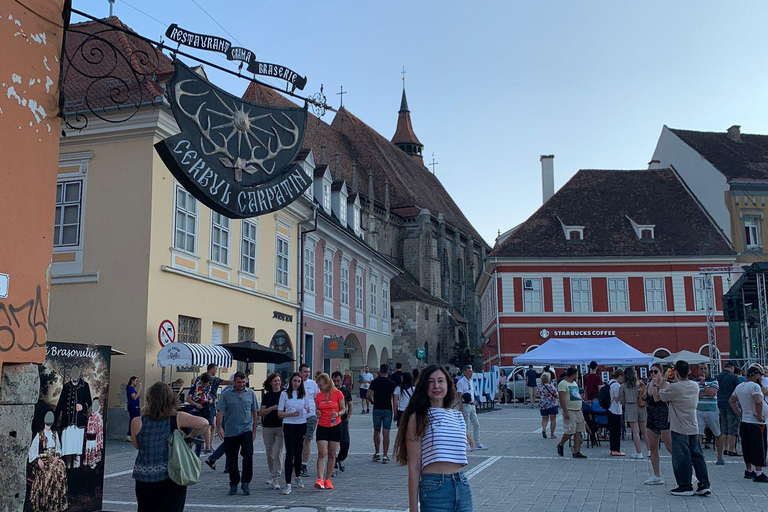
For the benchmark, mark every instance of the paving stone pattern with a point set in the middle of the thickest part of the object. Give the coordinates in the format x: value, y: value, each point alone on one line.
x: 520, y: 472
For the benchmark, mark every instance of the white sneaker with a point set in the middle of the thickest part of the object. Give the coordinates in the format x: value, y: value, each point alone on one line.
x: 636, y: 456
x: 275, y: 484
x: 299, y: 482
x: 654, y: 480
x: 270, y: 481
x: 287, y: 490
x: 481, y: 447
x: 648, y: 453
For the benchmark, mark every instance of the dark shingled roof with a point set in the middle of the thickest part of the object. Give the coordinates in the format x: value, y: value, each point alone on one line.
x: 411, y: 183
x: 404, y: 133
x: 404, y: 287
x: 601, y: 201
x: 159, y: 68
x: 746, y: 160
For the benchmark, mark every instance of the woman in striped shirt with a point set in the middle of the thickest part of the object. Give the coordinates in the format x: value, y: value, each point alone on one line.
x: 432, y: 442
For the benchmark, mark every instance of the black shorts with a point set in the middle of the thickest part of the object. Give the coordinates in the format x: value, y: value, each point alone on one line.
x: 753, y: 443
x: 332, y: 434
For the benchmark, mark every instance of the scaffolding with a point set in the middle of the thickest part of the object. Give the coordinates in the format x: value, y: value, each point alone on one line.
x: 715, y: 361
x: 748, y: 305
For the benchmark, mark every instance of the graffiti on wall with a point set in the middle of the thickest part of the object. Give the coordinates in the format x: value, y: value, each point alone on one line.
x: 23, y: 326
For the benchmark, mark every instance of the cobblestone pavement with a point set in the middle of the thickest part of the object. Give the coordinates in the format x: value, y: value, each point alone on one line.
x: 521, y: 472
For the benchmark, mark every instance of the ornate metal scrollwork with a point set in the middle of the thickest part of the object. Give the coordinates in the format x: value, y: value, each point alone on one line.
x: 317, y: 103
x: 104, y: 71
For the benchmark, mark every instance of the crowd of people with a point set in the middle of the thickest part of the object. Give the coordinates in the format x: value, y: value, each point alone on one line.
x: 431, y: 414
x: 681, y: 407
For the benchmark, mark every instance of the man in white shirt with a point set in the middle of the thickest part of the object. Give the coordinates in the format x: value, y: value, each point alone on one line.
x: 310, y: 389
x: 366, y: 377
x: 468, y: 405
x: 749, y: 395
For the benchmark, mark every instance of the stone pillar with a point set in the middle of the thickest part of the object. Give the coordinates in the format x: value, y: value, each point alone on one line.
x: 31, y: 37
x: 19, y: 391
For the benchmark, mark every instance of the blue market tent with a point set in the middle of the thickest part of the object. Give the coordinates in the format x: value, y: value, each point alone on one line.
x: 580, y: 351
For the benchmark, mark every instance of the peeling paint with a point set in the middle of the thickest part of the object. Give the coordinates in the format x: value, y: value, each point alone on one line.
x: 31, y: 82
x: 49, y: 128
x: 39, y: 38
x: 48, y: 83
x: 45, y: 63
x: 37, y: 110
x: 16, y: 78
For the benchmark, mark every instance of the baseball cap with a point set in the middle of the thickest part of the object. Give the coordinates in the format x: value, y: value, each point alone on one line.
x: 754, y: 370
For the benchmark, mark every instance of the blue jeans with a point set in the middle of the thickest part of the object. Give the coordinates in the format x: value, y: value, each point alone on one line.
x: 382, y: 418
x: 217, y: 453
x: 445, y: 493
x: 686, y: 450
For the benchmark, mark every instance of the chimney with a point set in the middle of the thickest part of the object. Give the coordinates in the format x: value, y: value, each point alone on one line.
x: 547, y: 177
x: 734, y: 133
x: 654, y: 164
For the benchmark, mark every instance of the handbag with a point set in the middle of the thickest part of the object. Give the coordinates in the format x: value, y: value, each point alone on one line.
x: 90, y: 436
x: 183, y: 465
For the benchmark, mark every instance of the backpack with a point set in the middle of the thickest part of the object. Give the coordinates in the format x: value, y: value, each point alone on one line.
x: 604, y: 396
x: 183, y: 465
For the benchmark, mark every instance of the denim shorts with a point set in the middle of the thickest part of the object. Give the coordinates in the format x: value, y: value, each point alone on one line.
x: 551, y: 411
x: 382, y: 416
x: 445, y: 493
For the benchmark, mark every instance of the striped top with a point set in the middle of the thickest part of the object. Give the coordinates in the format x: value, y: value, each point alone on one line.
x: 445, y: 439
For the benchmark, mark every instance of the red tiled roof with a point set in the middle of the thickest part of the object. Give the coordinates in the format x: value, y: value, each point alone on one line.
x: 411, y: 183
x: 404, y: 133
x: 603, y: 202
x: 85, y: 59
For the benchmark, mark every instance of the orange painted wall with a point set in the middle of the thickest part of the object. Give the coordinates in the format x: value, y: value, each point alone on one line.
x: 30, y: 38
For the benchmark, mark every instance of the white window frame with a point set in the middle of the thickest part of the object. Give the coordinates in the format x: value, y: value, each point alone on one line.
x: 581, y: 295
x: 327, y: 278
x: 618, y: 297
x: 699, y: 295
x: 356, y: 221
x: 384, y: 299
x: 359, y: 291
x: 752, y: 238
x: 655, y: 296
x: 533, y: 300
x: 63, y: 204
x: 309, y: 268
x: 344, y: 284
x: 282, y: 271
x: 249, y: 247
x: 373, y: 290
x: 221, y: 226
x: 188, y: 214
x: 326, y: 195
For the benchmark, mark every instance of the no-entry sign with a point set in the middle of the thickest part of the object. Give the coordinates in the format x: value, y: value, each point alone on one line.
x: 166, y: 333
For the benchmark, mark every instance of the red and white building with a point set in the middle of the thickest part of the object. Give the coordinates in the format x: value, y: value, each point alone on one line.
x: 612, y: 253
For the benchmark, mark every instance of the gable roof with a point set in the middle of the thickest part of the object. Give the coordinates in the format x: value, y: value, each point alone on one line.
x: 117, y: 72
x: 404, y: 287
x: 603, y: 201
x: 411, y: 183
x: 746, y: 160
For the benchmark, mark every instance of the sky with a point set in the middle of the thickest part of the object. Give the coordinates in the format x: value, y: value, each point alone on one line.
x: 492, y: 85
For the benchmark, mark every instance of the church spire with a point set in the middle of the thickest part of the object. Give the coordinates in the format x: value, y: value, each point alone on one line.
x: 404, y: 137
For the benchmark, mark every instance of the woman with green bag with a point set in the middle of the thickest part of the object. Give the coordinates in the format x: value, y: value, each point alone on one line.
x: 155, y: 491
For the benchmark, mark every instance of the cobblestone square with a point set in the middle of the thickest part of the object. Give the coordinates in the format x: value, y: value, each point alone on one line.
x: 521, y: 471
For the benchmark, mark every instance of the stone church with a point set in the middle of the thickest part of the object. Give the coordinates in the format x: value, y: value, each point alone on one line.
x: 409, y: 218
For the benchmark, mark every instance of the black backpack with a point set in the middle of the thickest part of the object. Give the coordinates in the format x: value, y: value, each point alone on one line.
x: 604, y: 396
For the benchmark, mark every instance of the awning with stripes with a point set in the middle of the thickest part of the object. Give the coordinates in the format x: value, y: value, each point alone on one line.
x: 193, y: 354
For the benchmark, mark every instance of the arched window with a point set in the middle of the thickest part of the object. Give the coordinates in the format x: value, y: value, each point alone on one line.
x: 531, y: 348
x: 661, y: 353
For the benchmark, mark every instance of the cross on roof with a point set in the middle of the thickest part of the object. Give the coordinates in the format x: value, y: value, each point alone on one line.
x: 433, y: 163
x: 341, y: 96
x: 403, y: 73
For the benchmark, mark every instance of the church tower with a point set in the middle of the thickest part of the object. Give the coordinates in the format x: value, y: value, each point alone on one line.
x: 404, y: 137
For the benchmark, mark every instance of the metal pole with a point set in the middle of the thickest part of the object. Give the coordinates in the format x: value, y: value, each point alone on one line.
x: 709, y: 300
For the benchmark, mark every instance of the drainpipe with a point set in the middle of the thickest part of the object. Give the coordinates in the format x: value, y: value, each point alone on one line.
x: 300, y: 259
x: 495, y: 277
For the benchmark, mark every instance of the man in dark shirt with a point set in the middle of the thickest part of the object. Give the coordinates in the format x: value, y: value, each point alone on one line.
x: 344, y: 445
x: 397, y: 375
x: 592, y: 382
x: 380, y: 395
x: 729, y: 422
x: 530, y: 382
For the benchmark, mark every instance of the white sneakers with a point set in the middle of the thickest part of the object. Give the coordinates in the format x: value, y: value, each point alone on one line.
x: 299, y: 482
x: 638, y: 456
x: 287, y: 490
x: 654, y: 480
x: 481, y: 447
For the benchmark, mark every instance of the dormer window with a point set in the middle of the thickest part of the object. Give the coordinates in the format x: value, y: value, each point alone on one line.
x: 572, y: 233
x: 356, y: 221
x: 327, y: 196
x: 643, y: 231
x: 343, y: 214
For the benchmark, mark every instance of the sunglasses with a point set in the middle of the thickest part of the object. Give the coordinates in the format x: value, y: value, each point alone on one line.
x: 654, y: 372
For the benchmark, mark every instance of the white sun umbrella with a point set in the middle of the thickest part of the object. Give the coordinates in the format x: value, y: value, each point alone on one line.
x: 686, y: 355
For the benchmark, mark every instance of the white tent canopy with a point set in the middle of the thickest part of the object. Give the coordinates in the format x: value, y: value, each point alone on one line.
x: 686, y: 355
x: 581, y: 351
x: 193, y: 354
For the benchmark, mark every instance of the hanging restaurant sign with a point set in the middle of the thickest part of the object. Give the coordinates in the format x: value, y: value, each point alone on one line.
x: 221, y: 45
x: 235, y: 157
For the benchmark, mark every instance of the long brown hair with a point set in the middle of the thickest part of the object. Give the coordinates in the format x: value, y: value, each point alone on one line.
x: 418, y: 409
x: 268, y: 383
x: 161, y: 402
x: 323, y: 377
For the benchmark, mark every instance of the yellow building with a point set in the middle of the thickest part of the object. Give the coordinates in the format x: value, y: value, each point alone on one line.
x: 132, y: 248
